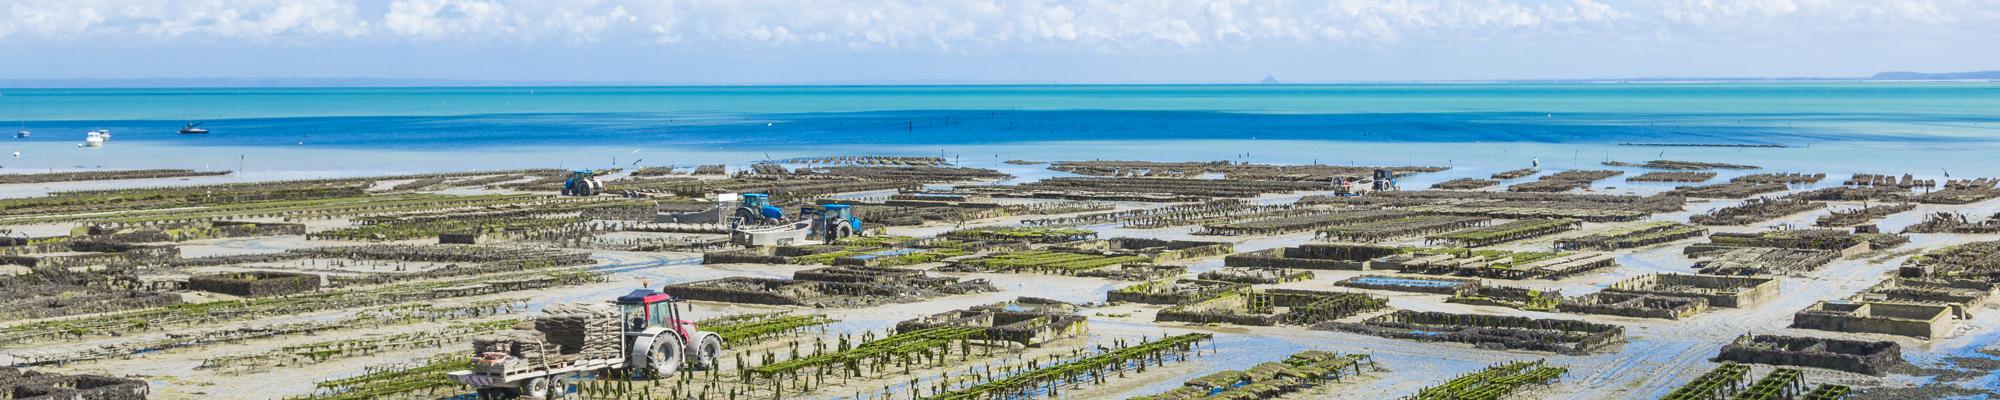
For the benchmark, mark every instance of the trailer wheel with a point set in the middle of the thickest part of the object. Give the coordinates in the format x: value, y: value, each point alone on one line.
x: 493, y: 394
x: 666, y: 357
x: 707, y: 351
x: 535, y: 388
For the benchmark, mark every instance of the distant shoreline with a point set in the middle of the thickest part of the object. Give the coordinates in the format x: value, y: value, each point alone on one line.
x: 1707, y: 145
x: 365, y: 83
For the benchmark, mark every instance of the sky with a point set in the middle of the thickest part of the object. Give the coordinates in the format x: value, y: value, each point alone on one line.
x: 1005, y: 41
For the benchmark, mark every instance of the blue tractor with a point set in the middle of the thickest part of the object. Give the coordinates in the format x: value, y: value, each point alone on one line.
x: 582, y: 182
x: 833, y: 221
x: 757, y: 209
x: 1383, y: 181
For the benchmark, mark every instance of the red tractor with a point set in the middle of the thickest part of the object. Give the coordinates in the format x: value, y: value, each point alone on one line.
x: 649, y: 315
x: 652, y: 341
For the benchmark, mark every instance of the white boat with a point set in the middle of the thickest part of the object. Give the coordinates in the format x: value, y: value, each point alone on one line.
x: 193, y: 128
x: 23, y: 133
x: 96, y: 138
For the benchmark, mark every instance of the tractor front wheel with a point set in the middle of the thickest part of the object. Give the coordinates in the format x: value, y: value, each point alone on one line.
x: 708, y: 351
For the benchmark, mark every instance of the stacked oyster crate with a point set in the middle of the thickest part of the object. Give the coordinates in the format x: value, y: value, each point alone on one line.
x: 589, y: 331
x: 523, y: 350
x: 563, y: 335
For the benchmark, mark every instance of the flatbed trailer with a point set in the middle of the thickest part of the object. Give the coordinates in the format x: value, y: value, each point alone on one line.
x: 653, y: 341
x: 520, y: 378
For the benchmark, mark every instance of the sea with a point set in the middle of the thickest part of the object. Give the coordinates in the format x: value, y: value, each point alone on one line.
x: 1927, y: 129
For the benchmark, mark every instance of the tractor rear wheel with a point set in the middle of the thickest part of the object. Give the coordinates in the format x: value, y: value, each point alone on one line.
x: 666, y: 356
x: 707, y: 351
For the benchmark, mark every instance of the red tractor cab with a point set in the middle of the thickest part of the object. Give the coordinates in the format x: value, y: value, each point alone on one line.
x: 659, y: 339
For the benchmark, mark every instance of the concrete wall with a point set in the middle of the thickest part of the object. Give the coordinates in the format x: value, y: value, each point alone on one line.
x: 1914, y: 320
x: 1873, y: 358
x: 1275, y: 258
x: 1720, y: 291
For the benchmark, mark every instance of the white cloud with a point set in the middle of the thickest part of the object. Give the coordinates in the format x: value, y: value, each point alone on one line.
x: 437, y: 19
x: 950, y: 26
x: 253, y: 20
x: 52, y: 19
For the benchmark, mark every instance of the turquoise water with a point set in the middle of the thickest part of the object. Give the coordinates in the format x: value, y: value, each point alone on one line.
x: 1830, y: 127
x: 1938, y: 101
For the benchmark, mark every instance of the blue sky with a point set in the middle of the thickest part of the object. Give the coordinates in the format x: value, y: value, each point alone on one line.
x: 1006, y: 41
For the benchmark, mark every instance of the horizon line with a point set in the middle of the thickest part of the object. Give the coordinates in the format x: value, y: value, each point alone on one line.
x: 360, y: 82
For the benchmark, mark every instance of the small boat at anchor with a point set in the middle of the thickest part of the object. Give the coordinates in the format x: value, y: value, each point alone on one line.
x: 193, y: 128
x: 96, y: 138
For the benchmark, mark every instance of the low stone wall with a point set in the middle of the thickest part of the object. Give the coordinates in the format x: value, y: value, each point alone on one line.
x: 255, y: 284
x: 1720, y: 291
x: 1634, y: 305
x: 754, y: 255
x: 1213, y: 317
x: 1230, y: 308
x: 1864, y: 357
x: 26, y: 303
x: 1028, y: 321
x: 34, y: 385
x: 458, y: 238
x: 1172, y: 292
x: 1272, y: 307
x: 193, y: 231
x: 1339, y: 252
x: 1489, y: 331
x: 91, y: 253
x: 1819, y: 239
x: 1262, y: 276
x: 744, y: 290
x: 1034, y: 329
x: 1275, y: 258
x: 1159, y: 250
x: 860, y: 274
x: 1206, y: 250
x: 1137, y: 272
x: 856, y: 292
x: 1902, y: 319
x: 1962, y: 295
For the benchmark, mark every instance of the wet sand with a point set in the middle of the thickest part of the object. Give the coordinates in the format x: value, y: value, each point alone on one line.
x: 1660, y: 355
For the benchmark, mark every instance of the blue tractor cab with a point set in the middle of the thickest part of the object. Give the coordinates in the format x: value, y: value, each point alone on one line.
x: 842, y: 212
x: 1385, y: 180
x: 582, y: 182
x: 757, y: 208
x: 833, y: 221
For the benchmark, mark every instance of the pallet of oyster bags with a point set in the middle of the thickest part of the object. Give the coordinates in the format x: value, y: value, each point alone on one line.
x: 586, y: 330
x: 526, y: 350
